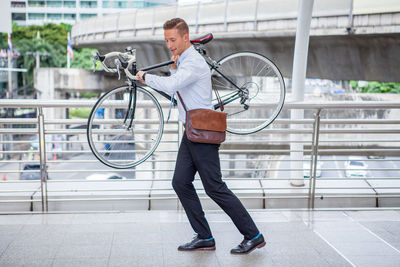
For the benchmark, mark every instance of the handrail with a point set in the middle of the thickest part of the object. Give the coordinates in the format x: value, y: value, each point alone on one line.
x: 32, y: 103
x: 255, y: 165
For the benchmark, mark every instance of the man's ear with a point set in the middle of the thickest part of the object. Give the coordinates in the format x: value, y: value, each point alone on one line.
x: 186, y: 37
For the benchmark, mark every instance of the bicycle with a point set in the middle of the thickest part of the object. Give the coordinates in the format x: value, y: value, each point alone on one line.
x: 126, y: 124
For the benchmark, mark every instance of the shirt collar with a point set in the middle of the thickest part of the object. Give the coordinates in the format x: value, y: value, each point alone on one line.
x: 185, y: 53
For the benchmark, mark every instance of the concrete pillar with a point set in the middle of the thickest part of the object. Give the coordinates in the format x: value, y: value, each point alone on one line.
x: 299, y: 76
x: 44, y: 82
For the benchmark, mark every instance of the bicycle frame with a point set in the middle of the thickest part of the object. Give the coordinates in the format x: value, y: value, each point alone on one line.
x: 214, y: 66
x: 211, y: 63
x: 238, y: 88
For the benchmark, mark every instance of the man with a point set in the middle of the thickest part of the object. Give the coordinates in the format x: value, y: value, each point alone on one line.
x: 190, y: 75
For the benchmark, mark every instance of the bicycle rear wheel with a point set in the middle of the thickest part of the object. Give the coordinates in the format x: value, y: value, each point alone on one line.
x: 112, y: 139
x: 261, y: 95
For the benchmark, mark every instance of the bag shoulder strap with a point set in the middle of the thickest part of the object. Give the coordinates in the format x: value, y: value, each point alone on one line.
x: 180, y: 98
x: 221, y: 106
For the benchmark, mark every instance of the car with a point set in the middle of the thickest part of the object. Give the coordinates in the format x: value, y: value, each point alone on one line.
x: 30, y: 175
x: 375, y: 157
x: 355, y: 167
x: 126, y: 143
x: 105, y: 176
x: 307, y: 166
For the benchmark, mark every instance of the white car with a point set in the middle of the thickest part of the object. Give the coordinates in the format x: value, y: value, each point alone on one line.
x: 355, y: 167
x: 105, y: 176
x: 306, y: 167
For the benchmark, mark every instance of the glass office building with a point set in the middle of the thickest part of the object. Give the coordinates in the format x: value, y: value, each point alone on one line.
x: 38, y: 12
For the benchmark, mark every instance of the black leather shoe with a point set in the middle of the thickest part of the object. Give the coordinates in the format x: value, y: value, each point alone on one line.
x: 247, y: 246
x: 198, y: 244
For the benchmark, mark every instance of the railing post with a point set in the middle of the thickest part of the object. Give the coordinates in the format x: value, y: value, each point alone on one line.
x: 314, y: 160
x: 117, y: 29
x: 153, y: 30
x: 135, y: 29
x: 350, y: 24
x: 255, y: 15
x: 43, y: 169
x: 197, y: 17
x: 104, y: 30
x: 226, y: 16
x: 176, y: 10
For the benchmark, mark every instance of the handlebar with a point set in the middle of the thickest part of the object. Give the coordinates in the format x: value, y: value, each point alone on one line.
x: 114, y: 61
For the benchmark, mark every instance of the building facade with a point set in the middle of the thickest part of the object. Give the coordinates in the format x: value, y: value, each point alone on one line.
x: 39, y: 12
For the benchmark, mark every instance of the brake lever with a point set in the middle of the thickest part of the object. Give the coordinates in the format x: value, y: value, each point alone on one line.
x: 123, y: 61
x: 118, y: 64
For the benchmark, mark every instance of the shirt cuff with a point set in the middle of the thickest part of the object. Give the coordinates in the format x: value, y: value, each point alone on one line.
x: 173, y: 71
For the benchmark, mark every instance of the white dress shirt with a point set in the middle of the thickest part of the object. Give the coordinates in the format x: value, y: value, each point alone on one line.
x: 192, y: 79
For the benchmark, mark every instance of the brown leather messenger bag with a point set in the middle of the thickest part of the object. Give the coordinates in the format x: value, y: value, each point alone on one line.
x: 205, y: 125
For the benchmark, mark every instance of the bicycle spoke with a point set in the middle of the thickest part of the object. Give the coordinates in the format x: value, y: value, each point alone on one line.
x: 111, y: 141
x: 258, y: 73
x: 230, y: 115
x: 260, y: 82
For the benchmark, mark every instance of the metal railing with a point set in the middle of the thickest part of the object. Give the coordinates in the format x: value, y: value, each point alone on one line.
x: 256, y: 167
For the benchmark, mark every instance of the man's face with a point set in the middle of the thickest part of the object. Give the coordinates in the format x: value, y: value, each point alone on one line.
x: 176, y: 43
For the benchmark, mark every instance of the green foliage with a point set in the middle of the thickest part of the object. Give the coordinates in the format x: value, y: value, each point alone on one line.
x: 79, y: 113
x: 376, y: 87
x: 354, y: 84
x: 53, y: 40
x: 83, y: 59
x: 56, y: 56
x: 88, y: 95
x: 52, y: 33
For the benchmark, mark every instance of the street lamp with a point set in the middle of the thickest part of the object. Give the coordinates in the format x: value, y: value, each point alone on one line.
x: 38, y: 55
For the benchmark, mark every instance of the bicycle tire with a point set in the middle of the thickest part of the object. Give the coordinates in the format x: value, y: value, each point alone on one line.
x: 109, y: 137
x: 265, y: 87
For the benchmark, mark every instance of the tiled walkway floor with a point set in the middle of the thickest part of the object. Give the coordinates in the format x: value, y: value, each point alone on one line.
x: 294, y: 238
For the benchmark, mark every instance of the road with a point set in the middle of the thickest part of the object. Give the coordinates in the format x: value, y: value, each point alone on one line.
x: 332, y: 167
x: 65, y: 170
x: 72, y: 171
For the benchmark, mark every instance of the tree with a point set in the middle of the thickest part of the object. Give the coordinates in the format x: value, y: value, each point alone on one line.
x: 376, y: 87
x: 53, y: 40
x: 52, y: 33
x: 56, y: 56
x: 83, y: 59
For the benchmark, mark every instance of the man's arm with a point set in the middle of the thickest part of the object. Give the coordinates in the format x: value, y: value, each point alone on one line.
x: 184, y: 76
x: 141, y: 74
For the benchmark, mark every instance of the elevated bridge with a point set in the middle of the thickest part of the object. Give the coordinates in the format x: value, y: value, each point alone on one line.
x: 350, y: 40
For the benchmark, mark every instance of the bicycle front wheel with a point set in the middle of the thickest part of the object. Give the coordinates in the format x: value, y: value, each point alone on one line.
x: 253, y: 88
x: 121, y: 136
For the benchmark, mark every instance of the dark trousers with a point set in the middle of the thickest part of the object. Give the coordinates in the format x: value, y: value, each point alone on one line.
x: 204, y: 158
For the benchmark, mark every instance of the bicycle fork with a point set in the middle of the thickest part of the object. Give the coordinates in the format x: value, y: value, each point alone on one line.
x: 130, y: 115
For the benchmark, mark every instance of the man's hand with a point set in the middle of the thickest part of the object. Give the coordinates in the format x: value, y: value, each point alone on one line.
x: 175, y: 59
x: 139, y: 76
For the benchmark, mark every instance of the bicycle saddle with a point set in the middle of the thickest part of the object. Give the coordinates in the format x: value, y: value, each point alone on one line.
x: 203, y: 39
